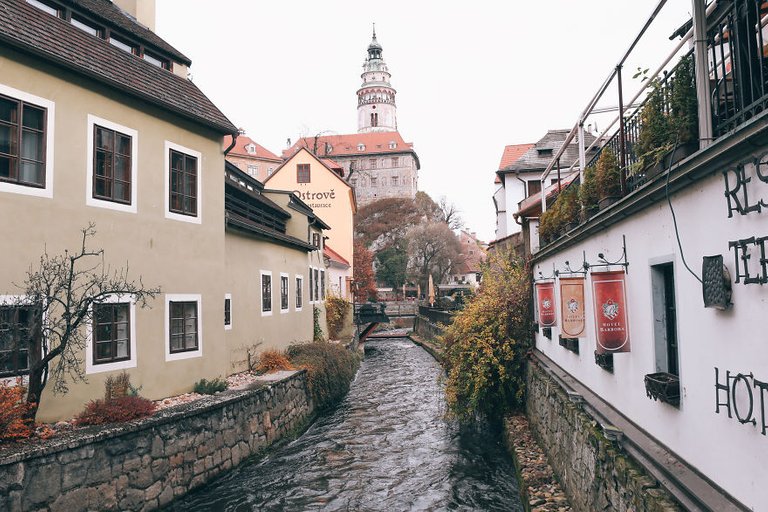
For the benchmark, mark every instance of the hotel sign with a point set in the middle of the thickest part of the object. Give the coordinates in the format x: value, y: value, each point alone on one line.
x: 610, y: 305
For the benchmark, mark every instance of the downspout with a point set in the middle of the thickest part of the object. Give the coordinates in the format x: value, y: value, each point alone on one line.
x: 234, y: 141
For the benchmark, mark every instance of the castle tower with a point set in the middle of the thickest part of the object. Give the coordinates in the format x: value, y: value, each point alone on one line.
x: 376, y: 109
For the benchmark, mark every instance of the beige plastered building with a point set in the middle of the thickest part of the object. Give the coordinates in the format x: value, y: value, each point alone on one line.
x: 165, y: 211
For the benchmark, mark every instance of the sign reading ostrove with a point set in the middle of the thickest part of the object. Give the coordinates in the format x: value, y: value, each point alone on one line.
x: 311, y: 198
x: 545, y: 293
x: 610, y: 305
x: 572, y: 306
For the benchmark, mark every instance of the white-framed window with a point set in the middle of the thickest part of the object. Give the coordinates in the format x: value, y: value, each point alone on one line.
x: 299, y: 304
x: 284, y: 289
x: 253, y: 170
x: 183, y: 183
x: 20, y: 324
x: 111, y: 335
x: 266, y: 292
x: 316, y: 279
x: 322, y: 285
x: 27, y: 124
x: 183, y: 326
x: 111, y: 165
x: 227, y: 311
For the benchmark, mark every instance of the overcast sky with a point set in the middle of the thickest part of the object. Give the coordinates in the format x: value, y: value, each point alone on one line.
x: 471, y: 77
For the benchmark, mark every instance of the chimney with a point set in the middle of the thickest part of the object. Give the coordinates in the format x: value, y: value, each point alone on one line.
x: 141, y: 10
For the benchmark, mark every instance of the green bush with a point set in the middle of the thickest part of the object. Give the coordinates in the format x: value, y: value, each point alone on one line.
x: 209, y: 387
x: 330, y: 370
x: 588, y: 193
x: 336, y: 310
x: 608, y: 175
x: 683, y: 104
x: 569, y: 204
x: 488, y: 341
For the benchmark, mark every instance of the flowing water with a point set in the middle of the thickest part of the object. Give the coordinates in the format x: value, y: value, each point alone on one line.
x: 388, y: 446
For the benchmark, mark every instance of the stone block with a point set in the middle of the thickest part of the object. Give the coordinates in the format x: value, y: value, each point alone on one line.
x: 42, y: 483
x: 160, y: 468
x: 158, y: 447
x: 153, y: 491
x: 140, y: 479
x: 11, y: 478
x: 132, y: 500
x: 166, y: 496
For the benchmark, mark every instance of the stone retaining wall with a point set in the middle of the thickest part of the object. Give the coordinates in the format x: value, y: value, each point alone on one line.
x: 594, y: 472
x: 426, y: 329
x: 145, y: 464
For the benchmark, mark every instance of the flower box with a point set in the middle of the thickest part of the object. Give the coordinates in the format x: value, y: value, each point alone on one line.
x: 547, y: 332
x: 664, y: 387
x: 604, y: 361
x: 571, y: 344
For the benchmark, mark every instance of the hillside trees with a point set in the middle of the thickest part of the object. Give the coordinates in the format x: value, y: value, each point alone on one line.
x: 432, y: 249
x: 365, y: 280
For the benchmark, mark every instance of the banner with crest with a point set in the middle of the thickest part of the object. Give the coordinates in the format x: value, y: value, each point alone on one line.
x: 545, y: 300
x: 572, y: 306
x: 611, y: 321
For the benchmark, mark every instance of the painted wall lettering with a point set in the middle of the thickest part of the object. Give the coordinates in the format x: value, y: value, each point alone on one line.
x: 743, y: 397
x: 742, y: 254
x: 736, y: 192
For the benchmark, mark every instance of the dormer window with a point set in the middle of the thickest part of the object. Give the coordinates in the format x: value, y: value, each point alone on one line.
x: 157, y: 61
x: 544, y: 151
x: 123, y: 45
x: 328, y: 148
x: 86, y: 26
x: 361, y: 147
x: 392, y: 144
x: 251, y: 149
x: 44, y: 6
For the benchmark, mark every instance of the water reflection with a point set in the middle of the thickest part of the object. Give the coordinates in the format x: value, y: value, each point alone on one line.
x: 387, y: 447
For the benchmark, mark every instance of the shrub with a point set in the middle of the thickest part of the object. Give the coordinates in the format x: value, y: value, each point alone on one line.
x: 683, y: 104
x: 15, y: 422
x: 569, y: 204
x: 336, y: 310
x: 330, y: 370
x: 608, y: 175
x: 549, y: 222
x: 488, y: 341
x: 117, y: 410
x: 119, y: 385
x: 209, y: 387
x: 317, y: 334
x: 655, y: 131
x: 273, y: 361
x: 588, y: 193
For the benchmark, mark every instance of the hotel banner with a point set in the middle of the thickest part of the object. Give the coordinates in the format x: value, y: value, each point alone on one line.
x: 611, y: 322
x: 545, y: 300
x: 572, y: 306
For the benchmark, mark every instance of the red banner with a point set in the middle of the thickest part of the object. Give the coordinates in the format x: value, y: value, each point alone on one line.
x: 545, y: 293
x: 572, y: 306
x: 611, y: 322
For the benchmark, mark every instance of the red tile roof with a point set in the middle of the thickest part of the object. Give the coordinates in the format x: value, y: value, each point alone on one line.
x: 334, y: 256
x: 510, y: 156
x: 332, y: 164
x: 346, y: 145
x: 244, y: 140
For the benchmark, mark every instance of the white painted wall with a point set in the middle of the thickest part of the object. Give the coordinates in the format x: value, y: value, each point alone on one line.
x: 733, y: 455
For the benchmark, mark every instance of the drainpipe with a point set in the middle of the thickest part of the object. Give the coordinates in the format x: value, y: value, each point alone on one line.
x: 234, y: 141
x: 702, y: 73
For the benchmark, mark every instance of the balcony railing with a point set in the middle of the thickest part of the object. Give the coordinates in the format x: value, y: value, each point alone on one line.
x: 664, y: 127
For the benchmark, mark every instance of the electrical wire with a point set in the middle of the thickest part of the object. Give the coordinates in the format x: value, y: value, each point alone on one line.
x: 674, y: 217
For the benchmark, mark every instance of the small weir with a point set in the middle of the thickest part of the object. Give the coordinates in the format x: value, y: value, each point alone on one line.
x: 388, y: 446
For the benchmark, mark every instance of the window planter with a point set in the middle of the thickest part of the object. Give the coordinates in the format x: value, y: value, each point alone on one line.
x: 604, y: 361
x: 664, y: 387
x: 571, y: 344
x: 547, y: 332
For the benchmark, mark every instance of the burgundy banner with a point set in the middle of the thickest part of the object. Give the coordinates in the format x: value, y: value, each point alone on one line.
x: 572, y: 306
x: 545, y: 293
x: 611, y: 322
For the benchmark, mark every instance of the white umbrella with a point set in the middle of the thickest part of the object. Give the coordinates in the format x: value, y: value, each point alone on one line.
x: 431, y: 291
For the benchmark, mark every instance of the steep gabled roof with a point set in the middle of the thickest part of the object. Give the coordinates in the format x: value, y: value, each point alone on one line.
x: 540, y: 154
x: 354, y: 144
x: 242, y: 142
x: 335, y: 257
x: 33, y: 31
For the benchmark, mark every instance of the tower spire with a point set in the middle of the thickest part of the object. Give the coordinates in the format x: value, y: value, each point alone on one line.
x: 376, y: 110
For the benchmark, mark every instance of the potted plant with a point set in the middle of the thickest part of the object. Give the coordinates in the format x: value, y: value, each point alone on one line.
x: 608, y: 178
x: 550, y: 223
x: 684, y: 111
x: 569, y: 206
x: 588, y: 193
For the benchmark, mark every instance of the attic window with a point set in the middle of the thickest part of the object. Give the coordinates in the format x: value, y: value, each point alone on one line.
x: 544, y: 151
x: 157, y: 61
x: 125, y: 46
x: 392, y: 144
x: 361, y: 147
x: 45, y: 6
x: 86, y: 26
x: 251, y: 149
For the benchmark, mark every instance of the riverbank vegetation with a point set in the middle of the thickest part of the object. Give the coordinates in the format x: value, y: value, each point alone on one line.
x: 488, y: 341
x: 330, y: 370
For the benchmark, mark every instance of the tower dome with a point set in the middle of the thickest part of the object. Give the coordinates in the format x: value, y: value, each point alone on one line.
x: 376, y: 109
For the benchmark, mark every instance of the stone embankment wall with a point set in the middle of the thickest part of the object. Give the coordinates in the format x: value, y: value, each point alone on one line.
x: 145, y: 464
x: 426, y: 329
x: 595, y: 473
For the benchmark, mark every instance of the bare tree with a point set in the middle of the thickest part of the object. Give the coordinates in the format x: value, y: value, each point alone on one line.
x: 60, y: 294
x: 451, y: 214
x: 432, y: 249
